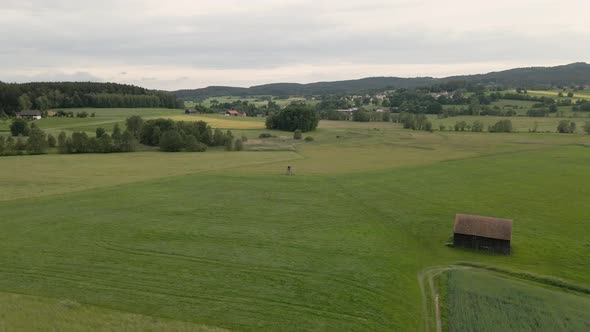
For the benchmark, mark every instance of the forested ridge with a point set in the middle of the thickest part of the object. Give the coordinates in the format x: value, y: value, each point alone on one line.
x: 532, y: 77
x: 45, y: 95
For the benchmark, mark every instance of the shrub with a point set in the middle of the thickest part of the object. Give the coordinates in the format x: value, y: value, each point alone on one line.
x: 100, y: 132
x: 265, y: 135
x: 171, y: 141
x: 51, y: 142
x: 566, y: 127
x: 103, y: 145
x: 587, y: 127
x: 244, y: 139
x: 460, y: 126
x: 2, y: 145
x: 441, y: 127
x: 37, y: 143
x: 477, y: 126
x: 309, y: 139
x: 229, y: 144
x: 192, y: 145
x: 239, y: 145
x: 297, y: 134
x: 19, y: 127
x: 502, y: 126
x: 61, y: 142
x: 128, y: 142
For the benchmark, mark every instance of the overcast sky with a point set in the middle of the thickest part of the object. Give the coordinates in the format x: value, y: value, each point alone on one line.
x: 173, y: 44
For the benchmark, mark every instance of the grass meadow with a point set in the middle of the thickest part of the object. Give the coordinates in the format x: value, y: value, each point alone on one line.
x: 224, y: 240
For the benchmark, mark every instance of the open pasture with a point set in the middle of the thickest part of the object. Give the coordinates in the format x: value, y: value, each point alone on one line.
x: 226, y: 240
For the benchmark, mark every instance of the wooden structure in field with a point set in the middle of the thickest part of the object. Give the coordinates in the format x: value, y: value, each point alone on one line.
x: 483, y: 233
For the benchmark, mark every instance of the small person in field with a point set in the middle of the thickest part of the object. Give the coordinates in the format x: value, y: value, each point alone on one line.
x: 289, y: 170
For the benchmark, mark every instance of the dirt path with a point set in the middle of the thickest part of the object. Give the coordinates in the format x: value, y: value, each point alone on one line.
x: 430, y: 295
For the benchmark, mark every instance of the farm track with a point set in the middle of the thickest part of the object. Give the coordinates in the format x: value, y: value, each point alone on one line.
x: 429, y: 293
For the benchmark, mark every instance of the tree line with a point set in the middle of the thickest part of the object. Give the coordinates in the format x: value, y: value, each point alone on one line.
x: 43, y: 96
x: 166, y: 134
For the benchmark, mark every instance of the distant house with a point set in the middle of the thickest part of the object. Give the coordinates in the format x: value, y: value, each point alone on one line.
x: 235, y: 113
x: 483, y: 233
x: 191, y: 111
x: 380, y: 110
x: 30, y: 115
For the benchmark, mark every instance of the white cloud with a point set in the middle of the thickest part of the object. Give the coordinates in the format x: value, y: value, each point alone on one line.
x: 186, y: 44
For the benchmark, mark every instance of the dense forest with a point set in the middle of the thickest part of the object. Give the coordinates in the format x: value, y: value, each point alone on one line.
x: 43, y: 96
x: 534, y: 77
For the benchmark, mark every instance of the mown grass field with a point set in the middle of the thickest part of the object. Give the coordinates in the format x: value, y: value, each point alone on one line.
x: 226, y: 240
x: 483, y: 301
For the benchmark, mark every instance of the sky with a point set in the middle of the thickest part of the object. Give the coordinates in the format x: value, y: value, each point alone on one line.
x: 177, y: 44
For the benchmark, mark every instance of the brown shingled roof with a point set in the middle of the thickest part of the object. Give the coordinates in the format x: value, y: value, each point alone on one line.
x: 494, y: 228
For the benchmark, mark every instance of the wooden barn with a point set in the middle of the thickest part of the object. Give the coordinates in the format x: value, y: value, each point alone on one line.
x: 483, y: 233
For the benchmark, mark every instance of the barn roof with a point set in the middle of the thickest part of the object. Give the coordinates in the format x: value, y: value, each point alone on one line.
x: 494, y: 228
x: 30, y: 113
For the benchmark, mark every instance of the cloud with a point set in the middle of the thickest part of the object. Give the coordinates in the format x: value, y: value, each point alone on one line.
x: 237, y: 42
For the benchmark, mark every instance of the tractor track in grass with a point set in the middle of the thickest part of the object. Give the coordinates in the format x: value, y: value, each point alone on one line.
x: 142, y: 285
x: 244, y: 267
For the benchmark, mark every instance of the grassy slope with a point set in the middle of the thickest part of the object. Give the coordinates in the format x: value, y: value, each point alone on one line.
x: 17, y: 311
x: 481, y: 301
x: 336, y: 247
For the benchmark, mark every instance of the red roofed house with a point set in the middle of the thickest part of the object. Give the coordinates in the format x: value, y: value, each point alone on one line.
x: 235, y: 113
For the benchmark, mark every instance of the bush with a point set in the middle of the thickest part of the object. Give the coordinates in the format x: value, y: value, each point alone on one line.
x: 100, y: 132
x: 441, y: 127
x: 265, y: 135
x: 566, y: 127
x: 502, y: 126
x: 477, y: 126
x: 293, y: 117
x: 51, y: 142
x: 239, y: 145
x: 244, y: 139
x: 61, y: 142
x: 229, y: 144
x: 171, y: 141
x: 128, y: 142
x: 37, y: 143
x: 587, y: 127
x: 192, y: 145
x: 297, y: 134
x: 309, y: 139
x: 104, y: 144
x: 460, y: 126
x: 19, y: 127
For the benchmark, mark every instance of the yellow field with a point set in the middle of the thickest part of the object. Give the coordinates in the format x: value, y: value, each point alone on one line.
x: 554, y: 93
x: 221, y: 122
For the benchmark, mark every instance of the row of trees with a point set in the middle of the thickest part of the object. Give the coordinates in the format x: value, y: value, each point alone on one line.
x: 43, y: 96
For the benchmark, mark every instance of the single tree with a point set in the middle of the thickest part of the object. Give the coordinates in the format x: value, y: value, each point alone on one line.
x: 105, y: 144
x: 134, y: 125
x: 61, y: 142
x: 117, y: 134
x: 99, y: 132
x: 171, y: 141
x: 19, y: 127
x: 239, y: 145
x: 37, y: 143
x: 51, y: 142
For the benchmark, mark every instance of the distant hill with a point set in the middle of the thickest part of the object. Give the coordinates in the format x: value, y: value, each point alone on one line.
x: 576, y: 73
x: 533, y: 77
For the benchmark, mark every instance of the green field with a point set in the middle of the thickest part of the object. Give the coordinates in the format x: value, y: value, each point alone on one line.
x: 484, y: 301
x: 226, y: 240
